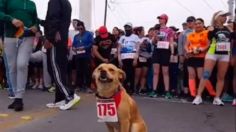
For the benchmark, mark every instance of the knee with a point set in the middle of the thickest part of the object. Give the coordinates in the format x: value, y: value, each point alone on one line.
x: 22, y: 65
x: 206, y: 74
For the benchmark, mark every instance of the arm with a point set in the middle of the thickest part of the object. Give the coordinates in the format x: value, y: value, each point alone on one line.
x: 4, y: 17
x: 7, y: 18
x: 90, y: 43
x: 180, y: 44
x: 97, y: 54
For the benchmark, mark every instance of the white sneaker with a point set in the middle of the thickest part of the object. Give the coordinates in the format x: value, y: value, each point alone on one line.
x: 217, y: 101
x: 234, y: 102
x: 40, y: 86
x: 197, y: 100
x: 71, y: 103
x: 35, y: 86
x: 56, y: 105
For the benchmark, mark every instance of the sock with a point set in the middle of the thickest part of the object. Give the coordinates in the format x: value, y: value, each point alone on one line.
x: 210, y: 88
x: 192, y: 87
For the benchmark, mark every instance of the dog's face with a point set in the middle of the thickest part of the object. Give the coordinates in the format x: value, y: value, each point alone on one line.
x: 108, y: 75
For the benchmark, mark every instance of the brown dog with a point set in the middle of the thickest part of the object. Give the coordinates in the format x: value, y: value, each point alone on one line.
x: 108, y: 82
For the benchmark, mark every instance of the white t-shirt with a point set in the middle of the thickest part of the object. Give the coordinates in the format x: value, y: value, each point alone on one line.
x: 128, y: 46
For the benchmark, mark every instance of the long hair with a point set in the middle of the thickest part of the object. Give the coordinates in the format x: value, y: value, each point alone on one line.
x: 214, y: 19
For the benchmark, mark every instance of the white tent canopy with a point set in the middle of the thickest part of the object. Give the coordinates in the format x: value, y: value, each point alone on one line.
x: 142, y: 12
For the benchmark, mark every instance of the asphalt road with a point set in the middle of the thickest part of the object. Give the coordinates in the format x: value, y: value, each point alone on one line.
x: 160, y: 115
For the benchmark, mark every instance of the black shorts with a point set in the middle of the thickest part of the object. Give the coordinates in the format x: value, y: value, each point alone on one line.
x: 143, y: 64
x: 195, y: 62
x: 72, y: 63
x: 161, y: 57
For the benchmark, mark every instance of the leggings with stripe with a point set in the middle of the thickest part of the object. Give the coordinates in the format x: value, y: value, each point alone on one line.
x: 57, y: 67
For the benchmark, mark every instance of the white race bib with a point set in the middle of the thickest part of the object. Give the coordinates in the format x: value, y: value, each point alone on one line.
x: 163, y: 44
x: 223, y: 46
x: 80, y: 51
x: 113, y: 51
x: 142, y: 59
x: 106, y: 110
x: 127, y: 55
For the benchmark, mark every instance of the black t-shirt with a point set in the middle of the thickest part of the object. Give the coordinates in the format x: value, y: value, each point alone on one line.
x: 221, y: 35
x: 105, y: 45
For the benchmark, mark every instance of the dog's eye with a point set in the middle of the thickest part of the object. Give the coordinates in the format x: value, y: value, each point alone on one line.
x: 111, y: 70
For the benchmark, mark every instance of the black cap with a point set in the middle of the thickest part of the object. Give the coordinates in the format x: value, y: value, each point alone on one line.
x: 191, y: 19
x: 157, y: 27
x: 174, y: 28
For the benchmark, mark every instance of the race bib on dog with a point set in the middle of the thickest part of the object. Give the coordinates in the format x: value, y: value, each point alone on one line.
x: 163, y: 45
x: 106, y: 110
x: 224, y: 46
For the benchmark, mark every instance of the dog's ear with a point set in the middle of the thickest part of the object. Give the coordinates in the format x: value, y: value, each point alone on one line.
x: 121, y: 75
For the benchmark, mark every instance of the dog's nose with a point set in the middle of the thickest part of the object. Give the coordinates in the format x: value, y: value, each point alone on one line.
x: 103, y: 74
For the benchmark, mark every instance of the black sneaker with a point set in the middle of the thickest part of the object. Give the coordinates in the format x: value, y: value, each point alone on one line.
x: 19, y: 106
x: 12, y: 106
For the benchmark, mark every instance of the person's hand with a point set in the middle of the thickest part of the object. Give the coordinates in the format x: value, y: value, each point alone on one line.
x: 17, y: 23
x: 105, y: 60
x: 135, y: 62
x: 47, y: 44
x: 57, y: 37
x: 34, y: 29
x: 120, y: 63
x: 210, y: 28
x: 181, y: 59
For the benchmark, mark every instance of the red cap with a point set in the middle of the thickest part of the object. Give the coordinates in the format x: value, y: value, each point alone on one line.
x: 103, y: 32
x: 163, y: 16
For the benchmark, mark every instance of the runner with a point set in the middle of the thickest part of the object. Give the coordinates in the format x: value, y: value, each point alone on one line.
x: 161, y: 55
x: 218, y: 53
x: 196, y: 47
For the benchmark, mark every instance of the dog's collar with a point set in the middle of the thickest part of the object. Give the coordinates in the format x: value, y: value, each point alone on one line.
x: 116, y: 96
x: 116, y: 93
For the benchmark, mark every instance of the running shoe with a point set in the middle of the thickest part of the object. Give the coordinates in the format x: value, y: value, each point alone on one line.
x: 197, y: 100
x: 71, y: 103
x: 153, y: 94
x: 168, y: 95
x: 218, y: 101
x: 234, y: 102
x: 56, y: 105
x: 227, y: 98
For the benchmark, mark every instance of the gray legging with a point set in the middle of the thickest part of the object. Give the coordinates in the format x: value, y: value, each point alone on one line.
x: 40, y: 56
x: 18, y: 53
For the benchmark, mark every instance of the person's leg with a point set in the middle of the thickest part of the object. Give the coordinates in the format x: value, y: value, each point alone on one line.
x: 166, y: 78
x: 156, y: 71
x: 221, y: 72
x: 87, y: 72
x: 192, y: 81
x: 208, y: 67
x: 10, y: 54
x: 128, y: 67
x: 46, y: 77
x: 79, y: 73
x: 59, y: 67
x: 209, y: 86
x: 185, y: 78
x: 143, y: 78
x: 24, y: 52
x: 137, y: 78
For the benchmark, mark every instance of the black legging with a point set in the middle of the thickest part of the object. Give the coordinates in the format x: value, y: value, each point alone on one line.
x: 130, y: 75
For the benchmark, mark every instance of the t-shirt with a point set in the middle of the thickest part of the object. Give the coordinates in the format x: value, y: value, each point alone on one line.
x: 164, y: 36
x: 105, y: 45
x: 85, y: 40
x: 198, y: 40
x: 145, y: 47
x: 128, y: 46
x: 220, y: 41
